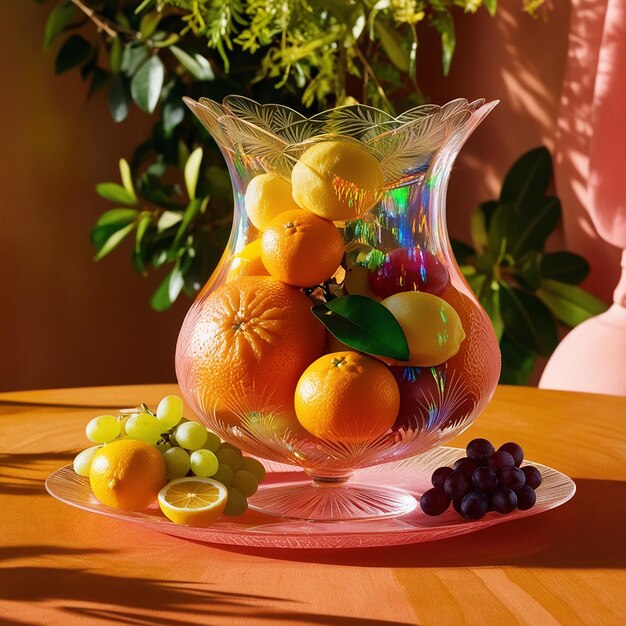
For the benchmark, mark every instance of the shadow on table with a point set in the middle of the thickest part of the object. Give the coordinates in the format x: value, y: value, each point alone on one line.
x: 20, y: 474
x: 140, y: 601
x: 586, y: 532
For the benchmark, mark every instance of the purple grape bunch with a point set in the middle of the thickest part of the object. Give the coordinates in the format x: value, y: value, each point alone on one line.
x: 484, y: 480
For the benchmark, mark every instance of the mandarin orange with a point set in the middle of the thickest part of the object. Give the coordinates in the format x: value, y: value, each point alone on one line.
x: 247, y: 262
x: 301, y: 249
x: 250, y: 342
x: 347, y: 397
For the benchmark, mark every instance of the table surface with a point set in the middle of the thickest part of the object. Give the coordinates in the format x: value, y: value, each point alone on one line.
x: 61, y: 565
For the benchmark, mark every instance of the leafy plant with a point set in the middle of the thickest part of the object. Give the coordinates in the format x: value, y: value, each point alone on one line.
x: 307, y: 54
x: 525, y: 290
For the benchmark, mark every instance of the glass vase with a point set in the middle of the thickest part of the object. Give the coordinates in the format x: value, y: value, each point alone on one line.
x: 277, y: 321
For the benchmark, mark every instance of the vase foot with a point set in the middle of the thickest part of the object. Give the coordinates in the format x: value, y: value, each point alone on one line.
x: 307, y: 500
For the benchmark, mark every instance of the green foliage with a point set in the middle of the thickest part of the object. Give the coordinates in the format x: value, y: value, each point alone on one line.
x: 525, y: 290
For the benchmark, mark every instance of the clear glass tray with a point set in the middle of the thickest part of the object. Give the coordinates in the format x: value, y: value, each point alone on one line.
x: 260, y: 530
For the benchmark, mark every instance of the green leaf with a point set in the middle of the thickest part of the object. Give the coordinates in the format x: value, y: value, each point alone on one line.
x: 195, y: 64
x: 444, y: 24
x: 75, y: 51
x: 490, y: 301
x: 528, y: 270
x: 168, y: 219
x: 364, y: 324
x: 106, y: 237
x: 119, y: 102
x: 571, y: 305
x: 391, y: 45
x: 528, y: 179
x: 149, y: 23
x: 142, y: 227
x: 196, y: 206
x: 115, y: 193
x: 535, y: 227
x: 165, y: 294
x: 117, y: 217
x: 115, y: 55
x: 59, y: 18
x: 173, y: 115
x: 127, y: 178
x: 491, y: 6
x: 517, y: 363
x: 527, y: 321
x: 133, y: 58
x: 478, y: 230
x: 192, y: 171
x: 564, y: 266
x: 146, y: 85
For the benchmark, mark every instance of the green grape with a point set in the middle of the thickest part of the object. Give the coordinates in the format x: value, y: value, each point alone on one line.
x: 177, y: 462
x: 102, y: 429
x: 191, y: 435
x: 245, y: 482
x: 224, y: 475
x: 228, y: 456
x: 82, y: 462
x: 203, y: 463
x: 253, y: 466
x: 143, y: 427
x: 236, y: 503
x: 229, y: 446
x: 164, y: 447
x: 212, y: 442
x: 169, y: 412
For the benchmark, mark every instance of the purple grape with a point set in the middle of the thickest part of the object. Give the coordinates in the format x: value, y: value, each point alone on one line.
x: 503, y: 500
x: 439, y: 476
x: 467, y: 466
x: 500, y: 460
x: 485, y: 479
x: 456, y: 503
x: 533, y: 476
x: 474, y: 505
x: 526, y: 498
x: 515, y: 450
x: 480, y: 450
x: 457, y: 484
x: 434, y: 501
x: 512, y: 477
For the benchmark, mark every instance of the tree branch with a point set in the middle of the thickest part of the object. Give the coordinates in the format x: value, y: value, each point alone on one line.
x: 100, y: 23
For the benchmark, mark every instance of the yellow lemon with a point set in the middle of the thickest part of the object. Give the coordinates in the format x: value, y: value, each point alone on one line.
x: 247, y: 262
x: 337, y: 180
x: 127, y: 474
x: 193, y: 501
x: 432, y: 327
x: 267, y: 196
x: 357, y: 281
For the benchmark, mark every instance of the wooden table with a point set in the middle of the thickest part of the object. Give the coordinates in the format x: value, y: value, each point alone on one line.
x: 60, y: 565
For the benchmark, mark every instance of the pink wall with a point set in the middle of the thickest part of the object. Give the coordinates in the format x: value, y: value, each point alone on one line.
x: 67, y: 321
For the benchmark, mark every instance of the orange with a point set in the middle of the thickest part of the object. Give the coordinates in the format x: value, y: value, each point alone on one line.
x: 250, y: 341
x: 247, y: 262
x: 127, y: 474
x: 267, y: 195
x: 301, y: 249
x: 347, y: 397
x: 337, y: 180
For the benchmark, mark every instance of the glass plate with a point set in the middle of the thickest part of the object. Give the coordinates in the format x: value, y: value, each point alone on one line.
x: 260, y: 530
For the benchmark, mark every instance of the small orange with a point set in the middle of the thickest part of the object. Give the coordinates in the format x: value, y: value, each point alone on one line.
x: 250, y: 341
x: 127, y: 474
x: 347, y: 397
x: 247, y: 262
x: 301, y: 249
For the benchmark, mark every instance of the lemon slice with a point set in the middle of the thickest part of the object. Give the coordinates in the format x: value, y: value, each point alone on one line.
x: 193, y: 501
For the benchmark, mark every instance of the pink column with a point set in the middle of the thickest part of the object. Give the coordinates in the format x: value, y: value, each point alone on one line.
x: 593, y: 356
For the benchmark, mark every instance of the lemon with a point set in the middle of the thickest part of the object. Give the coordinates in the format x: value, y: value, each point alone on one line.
x: 193, y: 501
x: 432, y: 327
x: 337, y: 180
x: 127, y: 474
x: 267, y: 196
x: 247, y: 262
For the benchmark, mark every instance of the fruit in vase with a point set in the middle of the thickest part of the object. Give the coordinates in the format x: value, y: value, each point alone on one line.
x: 432, y: 327
x: 337, y: 180
x: 409, y: 269
x: 267, y: 195
x: 127, y: 474
x: 301, y: 249
x: 251, y: 341
x: 357, y: 281
x: 247, y: 262
x: 347, y: 397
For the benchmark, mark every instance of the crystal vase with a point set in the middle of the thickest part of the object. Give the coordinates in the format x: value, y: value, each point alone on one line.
x: 337, y: 332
